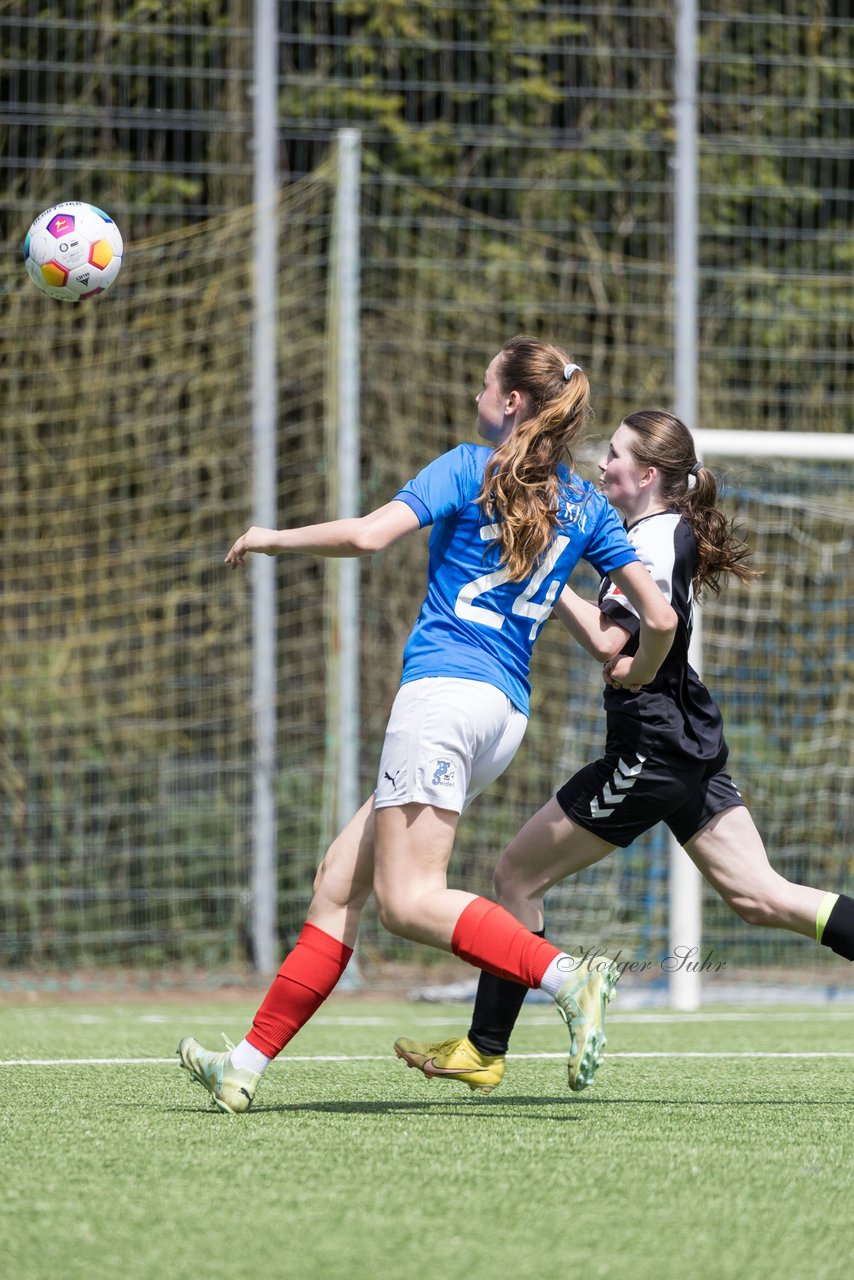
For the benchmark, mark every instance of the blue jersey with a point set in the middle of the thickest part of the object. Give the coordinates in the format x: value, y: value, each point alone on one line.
x: 474, y: 623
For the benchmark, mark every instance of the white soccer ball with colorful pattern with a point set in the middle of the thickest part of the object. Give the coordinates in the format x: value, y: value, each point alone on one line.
x: 73, y: 251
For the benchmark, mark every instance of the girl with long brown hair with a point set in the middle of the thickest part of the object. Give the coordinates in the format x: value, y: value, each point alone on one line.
x: 665, y: 755
x: 510, y: 520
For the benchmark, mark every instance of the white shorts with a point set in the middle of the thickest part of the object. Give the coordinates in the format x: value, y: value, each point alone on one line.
x: 446, y: 740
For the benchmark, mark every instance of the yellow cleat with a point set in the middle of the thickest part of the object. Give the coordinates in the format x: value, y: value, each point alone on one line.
x: 581, y: 1002
x: 454, y: 1060
x: 231, y: 1088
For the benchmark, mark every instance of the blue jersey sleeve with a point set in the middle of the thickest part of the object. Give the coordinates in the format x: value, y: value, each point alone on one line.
x: 444, y: 485
x: 609, y: 547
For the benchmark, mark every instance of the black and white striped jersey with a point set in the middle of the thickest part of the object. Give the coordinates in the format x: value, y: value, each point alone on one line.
x: 675, y: 715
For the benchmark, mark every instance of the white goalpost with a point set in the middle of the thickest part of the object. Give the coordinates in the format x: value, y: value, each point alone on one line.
x: 685, y: 915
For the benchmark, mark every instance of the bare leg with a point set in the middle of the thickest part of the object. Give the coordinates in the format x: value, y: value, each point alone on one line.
x: 412, y: 848
x: 413, y: 844
x: 545, y: 851
x: 310, y: 972
x: 344, y: 878
x: 730, y: 854
x: 307, y: 976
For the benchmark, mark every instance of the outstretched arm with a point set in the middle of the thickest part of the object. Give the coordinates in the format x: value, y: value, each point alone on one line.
x: 354, y: 536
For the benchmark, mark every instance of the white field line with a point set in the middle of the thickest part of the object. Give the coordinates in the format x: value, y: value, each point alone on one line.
x: 546, y: 1018
x: 387, y: 1057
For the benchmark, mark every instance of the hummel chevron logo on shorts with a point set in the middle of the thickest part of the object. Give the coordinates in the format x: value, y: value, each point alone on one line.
x: 624, y: 778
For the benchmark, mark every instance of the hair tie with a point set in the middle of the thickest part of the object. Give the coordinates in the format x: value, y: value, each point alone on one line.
x: 569, y: 370
x: 692, y: 474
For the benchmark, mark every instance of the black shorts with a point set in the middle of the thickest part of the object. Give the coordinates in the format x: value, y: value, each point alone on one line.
x: 624, y: 794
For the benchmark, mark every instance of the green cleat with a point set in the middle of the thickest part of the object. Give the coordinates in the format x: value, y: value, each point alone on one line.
x: 231, y: 1088
x: 581, y: 1002
x: 454, y: 1060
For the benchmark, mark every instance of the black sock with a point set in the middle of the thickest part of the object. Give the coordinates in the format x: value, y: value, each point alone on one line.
x: 839, y: 931
x: 497, y: 1006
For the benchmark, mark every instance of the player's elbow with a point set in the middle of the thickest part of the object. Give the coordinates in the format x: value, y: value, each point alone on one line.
x: 663, y: 620
x: 380, y: 528
x: 365, y: 539
x: 605, y: 647
x: 368, y: 535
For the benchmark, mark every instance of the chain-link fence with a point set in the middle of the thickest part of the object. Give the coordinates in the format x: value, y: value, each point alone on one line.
x: 517, y: 176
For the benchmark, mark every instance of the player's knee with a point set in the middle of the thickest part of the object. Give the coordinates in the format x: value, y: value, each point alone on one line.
x: 395, y: 912
x: 767, y: 902
x: 509, y: 884
x: 321, y: 877
x: 753, y: 908
x: 397, y: 922
x: 325, y: 878
x: 336, y: 889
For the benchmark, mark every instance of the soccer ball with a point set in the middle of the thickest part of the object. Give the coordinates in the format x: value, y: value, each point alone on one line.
x: 72, y: 251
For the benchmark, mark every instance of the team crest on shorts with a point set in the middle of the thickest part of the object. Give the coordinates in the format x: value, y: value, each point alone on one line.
x: 443, y: 773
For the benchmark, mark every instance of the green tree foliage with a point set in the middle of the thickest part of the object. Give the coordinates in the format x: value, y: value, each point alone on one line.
x: 517, y: 175
x: 143, y: 102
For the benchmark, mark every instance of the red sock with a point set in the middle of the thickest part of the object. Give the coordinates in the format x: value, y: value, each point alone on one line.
x: 488, y: 936
x: 307, y: 976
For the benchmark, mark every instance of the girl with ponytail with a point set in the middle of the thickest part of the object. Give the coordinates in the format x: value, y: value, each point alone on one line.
x: 510, y: 520
x: 665, y: 757
x: 664, y: 443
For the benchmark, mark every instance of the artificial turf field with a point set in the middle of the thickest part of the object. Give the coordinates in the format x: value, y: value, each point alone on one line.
x: 717, y: 1146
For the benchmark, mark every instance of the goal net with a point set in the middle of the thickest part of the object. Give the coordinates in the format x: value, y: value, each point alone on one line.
x: 126, y: 729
